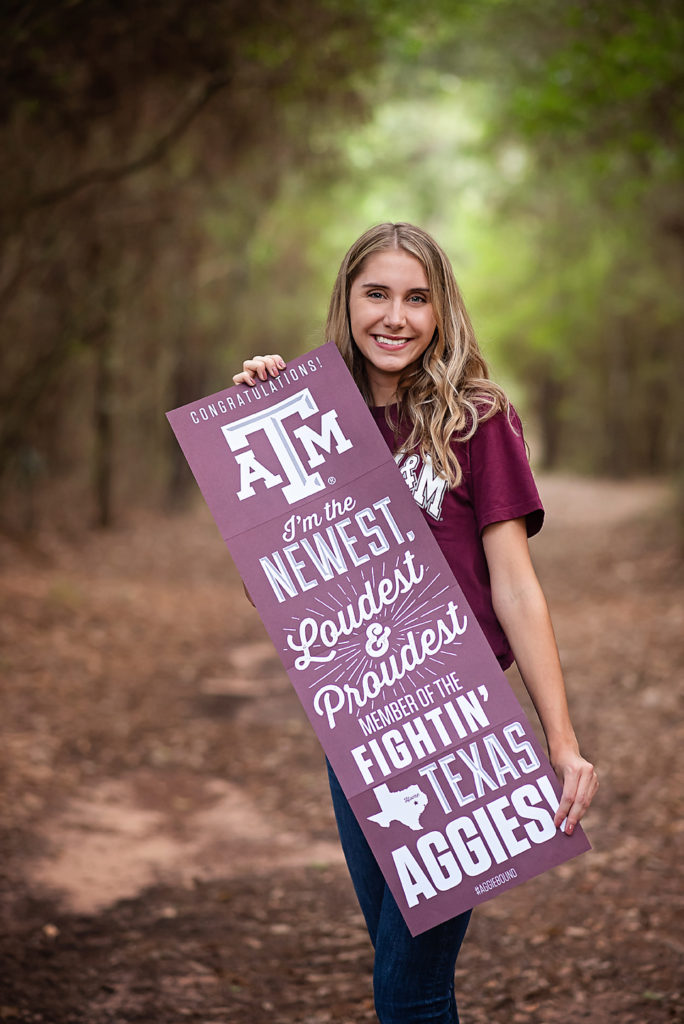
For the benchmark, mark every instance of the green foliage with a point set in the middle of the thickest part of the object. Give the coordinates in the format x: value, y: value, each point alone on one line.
x: 578, y: 246
x: 600, y: 108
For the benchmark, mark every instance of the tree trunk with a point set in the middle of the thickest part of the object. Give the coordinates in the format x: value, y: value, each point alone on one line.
x: 103, y: 413
x: 549, y: 393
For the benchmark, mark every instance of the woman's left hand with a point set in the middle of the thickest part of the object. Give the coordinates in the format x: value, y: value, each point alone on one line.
x: 580, y: 782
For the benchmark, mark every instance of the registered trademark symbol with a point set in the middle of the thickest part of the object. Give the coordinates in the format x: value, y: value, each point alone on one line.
x: 332, y: 480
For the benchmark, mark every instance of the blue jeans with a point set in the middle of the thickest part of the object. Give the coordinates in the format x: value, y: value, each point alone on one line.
x: 413, y: 978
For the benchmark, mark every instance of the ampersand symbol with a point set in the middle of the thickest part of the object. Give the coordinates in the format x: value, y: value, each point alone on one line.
x: 377, y: 642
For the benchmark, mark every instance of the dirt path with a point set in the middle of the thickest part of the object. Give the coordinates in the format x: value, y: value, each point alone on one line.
x: 168, y: 851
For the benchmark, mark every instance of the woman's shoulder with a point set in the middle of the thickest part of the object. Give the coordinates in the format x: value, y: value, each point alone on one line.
x: 486, y: 416
x: 494, y: 440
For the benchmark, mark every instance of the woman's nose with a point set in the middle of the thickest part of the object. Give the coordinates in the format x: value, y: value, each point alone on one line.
x: 394, y: 314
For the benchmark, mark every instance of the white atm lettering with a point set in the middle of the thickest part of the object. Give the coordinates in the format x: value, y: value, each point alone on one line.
x: 295, y: 479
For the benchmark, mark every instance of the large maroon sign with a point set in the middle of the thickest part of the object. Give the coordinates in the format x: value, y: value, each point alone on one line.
x: 434, y: 752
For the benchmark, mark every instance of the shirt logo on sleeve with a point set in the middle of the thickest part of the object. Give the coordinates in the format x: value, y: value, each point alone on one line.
x: 427, y: 487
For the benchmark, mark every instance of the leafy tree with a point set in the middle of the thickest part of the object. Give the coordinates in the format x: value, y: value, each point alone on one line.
x: 589, y: 97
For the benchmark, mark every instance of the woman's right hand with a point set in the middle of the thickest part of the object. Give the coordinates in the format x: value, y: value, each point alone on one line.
x: 259, y: 368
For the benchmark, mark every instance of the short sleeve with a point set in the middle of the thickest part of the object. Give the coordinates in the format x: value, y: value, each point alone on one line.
x: 501, y: 481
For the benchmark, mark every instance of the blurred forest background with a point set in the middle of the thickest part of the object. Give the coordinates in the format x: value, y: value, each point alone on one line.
x: 180, y: 181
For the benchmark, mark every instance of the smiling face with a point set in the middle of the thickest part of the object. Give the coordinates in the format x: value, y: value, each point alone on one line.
x: 392, y: 319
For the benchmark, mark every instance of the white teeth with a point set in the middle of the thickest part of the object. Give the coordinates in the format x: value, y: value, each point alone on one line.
x: 391, y: 341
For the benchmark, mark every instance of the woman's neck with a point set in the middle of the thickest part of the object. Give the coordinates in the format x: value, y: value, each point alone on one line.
x: 383, y: 390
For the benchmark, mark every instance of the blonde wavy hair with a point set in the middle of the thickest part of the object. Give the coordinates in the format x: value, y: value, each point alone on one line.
x: 448, y: 392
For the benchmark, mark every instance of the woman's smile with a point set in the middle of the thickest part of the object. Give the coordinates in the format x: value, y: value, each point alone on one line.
x: 386, y: 342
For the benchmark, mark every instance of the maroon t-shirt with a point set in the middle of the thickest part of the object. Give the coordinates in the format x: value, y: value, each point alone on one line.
x: 497, y: 485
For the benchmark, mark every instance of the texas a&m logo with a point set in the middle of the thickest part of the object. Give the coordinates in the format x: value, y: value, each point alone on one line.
x: 294, y: 478
x: 427, y: 487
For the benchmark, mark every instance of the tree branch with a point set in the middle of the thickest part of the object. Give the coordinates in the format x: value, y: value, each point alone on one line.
x: 103, y: 175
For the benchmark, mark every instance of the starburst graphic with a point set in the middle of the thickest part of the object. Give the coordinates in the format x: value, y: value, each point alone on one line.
x: 361, y: 651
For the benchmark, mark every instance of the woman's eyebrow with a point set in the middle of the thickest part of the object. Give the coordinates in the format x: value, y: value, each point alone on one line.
x: 374, y: 284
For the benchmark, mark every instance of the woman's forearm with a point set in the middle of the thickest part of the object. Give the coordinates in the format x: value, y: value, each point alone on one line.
x: 524, y: 617
x: 521, y: 608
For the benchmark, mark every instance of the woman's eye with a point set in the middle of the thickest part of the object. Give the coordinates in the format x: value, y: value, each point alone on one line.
x: 375, y: 295
x: 417, y: 298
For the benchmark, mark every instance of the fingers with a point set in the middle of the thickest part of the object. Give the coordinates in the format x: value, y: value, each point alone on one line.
x: 259, y: 368
x: 580, y: 783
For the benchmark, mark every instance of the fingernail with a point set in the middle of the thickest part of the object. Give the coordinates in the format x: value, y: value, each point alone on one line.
x: 281, y: 364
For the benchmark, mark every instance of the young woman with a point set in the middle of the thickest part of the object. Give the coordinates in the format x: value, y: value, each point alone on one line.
x: 398, y: 318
